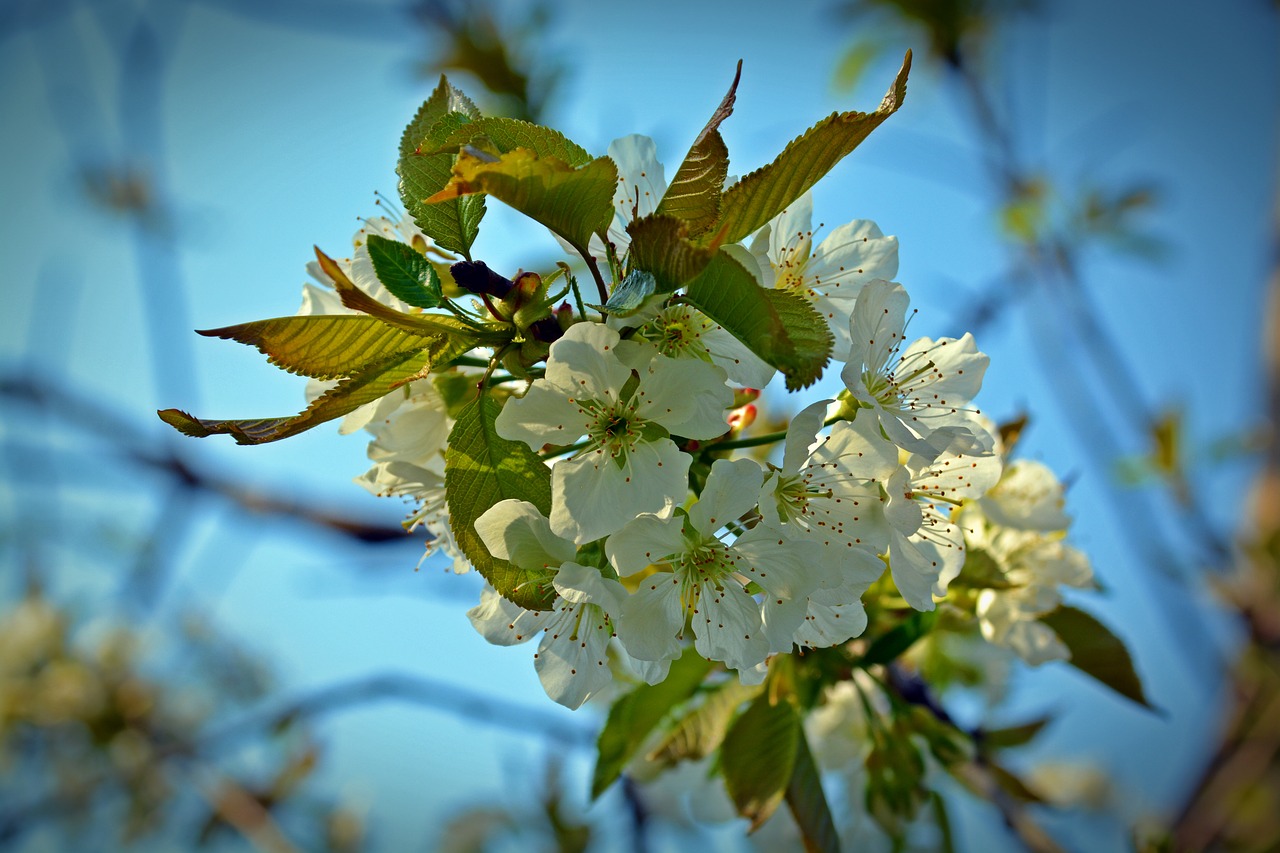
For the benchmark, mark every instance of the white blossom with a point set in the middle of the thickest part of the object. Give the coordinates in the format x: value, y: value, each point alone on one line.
x: 915, y: 393
x: 628, y: 463
x: 701, y: 576
x: 830, y: 276
x: 572, y: 657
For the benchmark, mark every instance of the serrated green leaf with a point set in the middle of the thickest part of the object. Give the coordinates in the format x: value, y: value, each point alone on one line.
x: 482, y: 468
x: 452, y: 225
x: 507, y: 134
x: 808, y: 803
x: 660, y: 246
x: 435, y: 325
x: 693, y: 196
x: 763, y: 194
x: 323, y: 346
x: 702, y: 730
x: 444, y: 100
x: 365, y: 386
x: 405, y: 272
x: 1097, y: 652
x: 573, y: 202
x: 758, y: 756
x: 776, y: 325
x: 637, y: 713
x: 890, y: 645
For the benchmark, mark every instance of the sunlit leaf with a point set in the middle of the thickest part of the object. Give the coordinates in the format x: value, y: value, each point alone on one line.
x: 573, y: 202
x: 365, y: 386
x: 1097, y: 652
x: 758, y: 756
x: 507, y: 134
x: 660, y: 246
x: 323, y: 347
x: 693, y: 196
x: 453, y: 225
x: 763, y: 194
x: 445, y: 99
x: 808, y: 803
x: 482, y: 468
x: 632, y: 717
x: 441, y: 325
x: 701, y: 730
x: 776, y: 325
x: 405, y: 272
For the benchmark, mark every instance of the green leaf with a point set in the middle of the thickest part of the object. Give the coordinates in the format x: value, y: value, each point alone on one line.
x: 507, y: 134
x: 454, y: 224
x: 808, y: 803
x: 891, y: 644
x: 693, y: 196
x: 1011, y: 736
x: 443, y: 101
x: 660, y: 246
x: 776, y: 325
x: 701, y: 730
x: 763, y: 194
x: 405, y: 272
x: 758, y: 757
x: 480, y: 469
x: 323, y: 346
x: 636, y: 714
x: 364, y: 386
x: 439, y: 325
x: 1097, y: 652
x: 573, y: 202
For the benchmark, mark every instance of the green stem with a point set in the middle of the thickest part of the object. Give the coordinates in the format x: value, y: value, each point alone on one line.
x: 767, y: 438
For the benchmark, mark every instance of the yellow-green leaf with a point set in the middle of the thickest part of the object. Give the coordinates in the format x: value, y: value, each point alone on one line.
x: 758, y: 756
x: 482, y: 468
x: 323, y: 347
x: 632, y: 717
x: 763, y: 194
x: 693, y: 196
x: 702, y: 730
x: 660, y: 246
x: 453, y: 225
x: 573, y: 202
x: 365, y: 386
x: 507, y: 134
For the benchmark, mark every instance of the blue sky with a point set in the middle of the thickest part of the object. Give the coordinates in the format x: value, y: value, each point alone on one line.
x: 274, y: 138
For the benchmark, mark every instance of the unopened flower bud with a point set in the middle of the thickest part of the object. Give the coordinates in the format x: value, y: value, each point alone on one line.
x: 742, y: 396
x: 476, y: 277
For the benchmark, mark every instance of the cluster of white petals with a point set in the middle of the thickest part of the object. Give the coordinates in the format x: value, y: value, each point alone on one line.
x: 650, y: 543
x: 1020, y: 526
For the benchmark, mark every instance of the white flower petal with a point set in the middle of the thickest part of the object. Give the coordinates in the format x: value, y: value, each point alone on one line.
x: 645, y: 541
x: 573, y: 662
x: 802, y: 434
x: 583, y: 365
x: 727, y: 627
x: 686, y: 396
x: 731, y: 490
x: 652, y: 619
x: 503, y: 623
x: 592, y: 496
x: 518, y: 532
x: 542, y: 416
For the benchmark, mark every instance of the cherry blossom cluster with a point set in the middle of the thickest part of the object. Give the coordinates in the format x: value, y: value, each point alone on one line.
x: 899, y: 471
